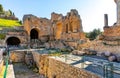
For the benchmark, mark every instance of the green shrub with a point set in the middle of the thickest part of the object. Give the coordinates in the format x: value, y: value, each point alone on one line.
x: 2, y: 36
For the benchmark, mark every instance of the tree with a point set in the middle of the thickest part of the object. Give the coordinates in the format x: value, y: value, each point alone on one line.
x: 13, y: 14
x: 10, y: 12
x: 20, y: 22
x: 7, y: 13
x: 1, y: 8
x: 93, y: 34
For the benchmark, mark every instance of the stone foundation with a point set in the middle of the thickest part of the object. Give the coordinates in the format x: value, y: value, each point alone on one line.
x: 102, y: 46
x: 52, y: 68
x: 17, y: 56
x: 112, y: 33
x: 56, y: 69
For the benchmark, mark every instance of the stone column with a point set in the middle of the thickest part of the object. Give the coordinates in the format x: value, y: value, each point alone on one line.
x: 118, y: 11
x: 105, y: 20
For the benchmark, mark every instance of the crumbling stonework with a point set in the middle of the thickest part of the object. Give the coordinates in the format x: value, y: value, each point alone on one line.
x: 59, y: 27
x: 113, y: 32
x: 42, y: 25
x: 18, y: 33
x: 52, y: 68
x: 17, y: 56
x: 67, y: 27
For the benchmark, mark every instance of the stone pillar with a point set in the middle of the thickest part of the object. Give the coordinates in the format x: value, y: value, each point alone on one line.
x: 118, y: 11
x: 105, y: 20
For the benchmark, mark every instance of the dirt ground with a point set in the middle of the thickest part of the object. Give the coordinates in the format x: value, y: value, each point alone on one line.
x: 22, y: 71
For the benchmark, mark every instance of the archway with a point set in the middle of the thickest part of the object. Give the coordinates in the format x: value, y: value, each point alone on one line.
x: 13, y: 41
x: 34, y: 38
x: 33, y: 34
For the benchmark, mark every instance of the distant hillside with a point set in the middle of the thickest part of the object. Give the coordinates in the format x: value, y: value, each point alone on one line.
x: 9, y: 23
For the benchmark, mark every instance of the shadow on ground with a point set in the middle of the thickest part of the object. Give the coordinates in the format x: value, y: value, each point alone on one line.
x: 22, y: 71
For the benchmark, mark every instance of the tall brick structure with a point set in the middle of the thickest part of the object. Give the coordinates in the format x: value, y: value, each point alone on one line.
x: 59, y: 27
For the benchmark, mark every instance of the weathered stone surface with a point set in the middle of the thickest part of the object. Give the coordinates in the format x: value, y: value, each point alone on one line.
x: 38, y: 31
x: 29, y: 59
x: 50, y: 67
x: 107, y: 53
x: 112, y: 33
x: 101, y: 46
x: 69, y: 25
x: 59, y: 27
x: 42, y: 25
x: 100, y: 54
x: 77, y: 52
x: 54, y: 68
x: 118, y: 57
x: 112, y: 58
x: 17, y: 56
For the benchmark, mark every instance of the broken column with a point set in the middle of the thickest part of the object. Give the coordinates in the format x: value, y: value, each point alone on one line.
x: 118, y: 11
x: 105, y: 20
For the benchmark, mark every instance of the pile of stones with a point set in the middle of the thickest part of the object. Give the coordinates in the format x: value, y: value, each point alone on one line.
x: 84, y: 52
x: 110, y: 56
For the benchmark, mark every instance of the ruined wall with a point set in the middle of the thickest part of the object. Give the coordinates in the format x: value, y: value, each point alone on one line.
x: 20, y: 35
x: 102, y: 46
x: 67, y: 25
x: 52, y: 68
x: 42, y: 24
x: 112, y: 33
x: 57, y: 27
x: 17, y: 56
x: 61, y: 70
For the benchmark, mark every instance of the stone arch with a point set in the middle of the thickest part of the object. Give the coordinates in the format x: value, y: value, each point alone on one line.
x: 13, y: 41
x: 34, y: 33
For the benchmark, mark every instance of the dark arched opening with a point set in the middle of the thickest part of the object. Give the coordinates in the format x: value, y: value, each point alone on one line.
x: 34, y: 34
x: 13, y: 41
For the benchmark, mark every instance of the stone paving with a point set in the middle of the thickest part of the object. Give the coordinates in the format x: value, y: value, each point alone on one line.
x: 91, y: 64
x: 10, y: 71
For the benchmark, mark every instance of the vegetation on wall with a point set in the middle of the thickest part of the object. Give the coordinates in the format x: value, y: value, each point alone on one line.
x: 2, y: 36
x: 93, y: 34
x: 1, y: 8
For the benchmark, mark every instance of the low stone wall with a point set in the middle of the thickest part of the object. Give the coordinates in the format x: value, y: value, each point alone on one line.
x: 100, y: 46
x: 52, y: 68
x: 17, y: 56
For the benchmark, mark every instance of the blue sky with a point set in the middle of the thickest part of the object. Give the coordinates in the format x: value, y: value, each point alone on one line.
x: 91, y: 11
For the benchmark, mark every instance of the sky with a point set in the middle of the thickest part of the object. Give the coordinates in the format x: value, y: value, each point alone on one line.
x: 91, y: 11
